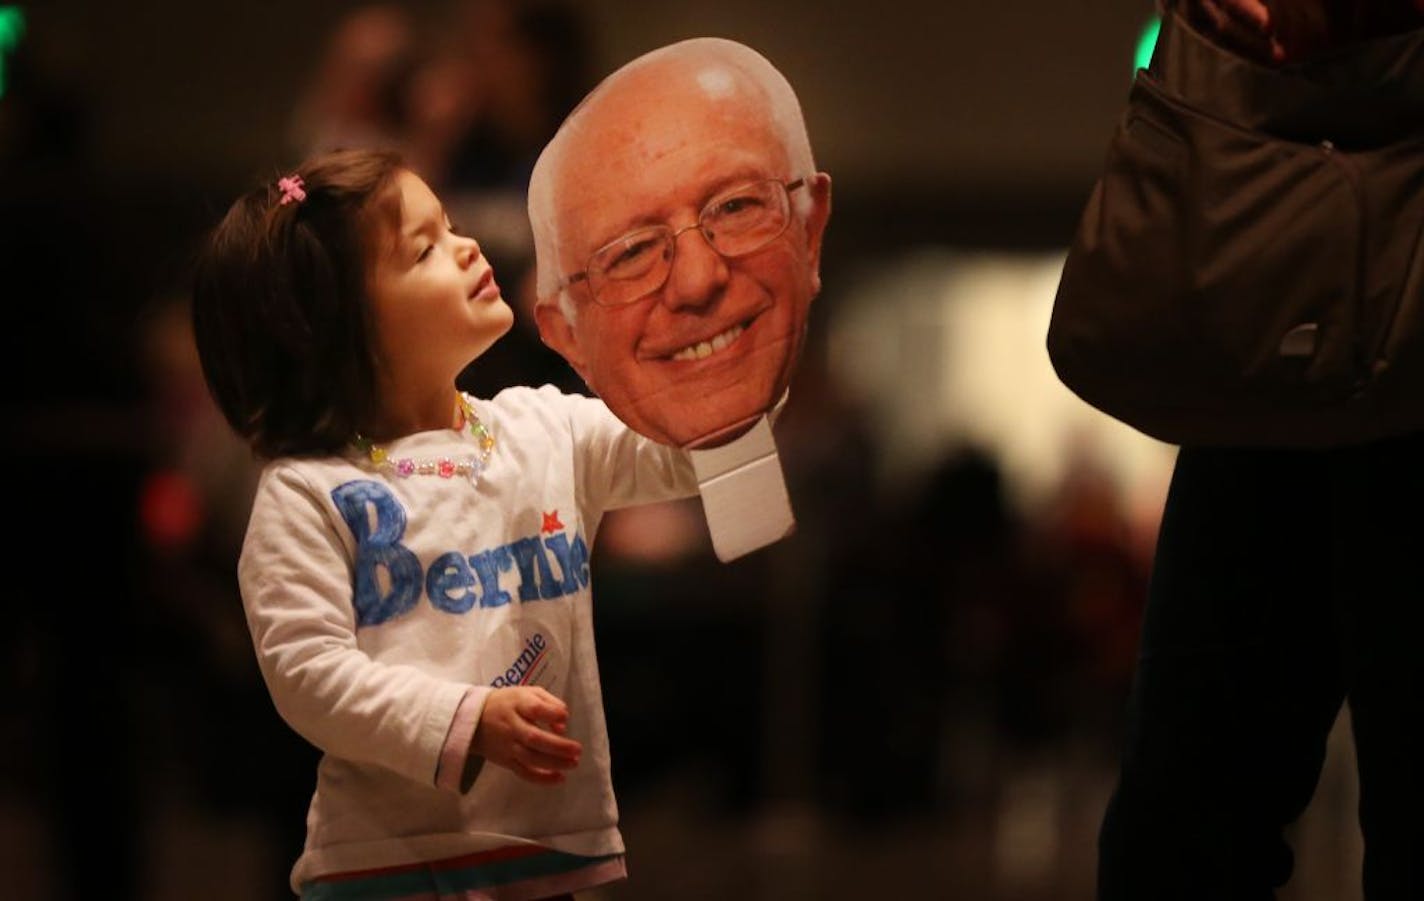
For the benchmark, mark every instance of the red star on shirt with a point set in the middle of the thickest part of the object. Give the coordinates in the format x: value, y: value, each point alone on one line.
x: 551, y: 522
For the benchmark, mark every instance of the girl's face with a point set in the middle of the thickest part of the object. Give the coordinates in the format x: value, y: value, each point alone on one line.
x: 433, y: 295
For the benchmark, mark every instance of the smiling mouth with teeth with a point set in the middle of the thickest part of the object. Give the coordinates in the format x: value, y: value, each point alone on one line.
x: 705, y: 349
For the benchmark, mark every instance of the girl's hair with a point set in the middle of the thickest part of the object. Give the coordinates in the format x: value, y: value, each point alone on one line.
x: 281, y: 313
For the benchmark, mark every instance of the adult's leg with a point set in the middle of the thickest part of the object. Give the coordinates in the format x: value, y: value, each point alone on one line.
x: 1237, y: 685
x: 1381, y: 503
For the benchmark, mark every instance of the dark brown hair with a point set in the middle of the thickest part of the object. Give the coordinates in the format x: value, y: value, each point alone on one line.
x: 280, y: 307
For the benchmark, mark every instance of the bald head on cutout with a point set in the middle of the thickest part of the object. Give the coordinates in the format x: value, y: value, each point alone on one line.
x: 677, y: 219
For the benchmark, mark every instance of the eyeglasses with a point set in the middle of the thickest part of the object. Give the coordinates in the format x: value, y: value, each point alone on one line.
x: 735, y: 223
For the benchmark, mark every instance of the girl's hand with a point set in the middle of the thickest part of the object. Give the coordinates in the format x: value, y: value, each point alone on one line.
x: 521, y: 729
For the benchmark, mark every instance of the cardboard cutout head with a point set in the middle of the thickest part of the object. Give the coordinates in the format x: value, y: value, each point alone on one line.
x: 677, y: 219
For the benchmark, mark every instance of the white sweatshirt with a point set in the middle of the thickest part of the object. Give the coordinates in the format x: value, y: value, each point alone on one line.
x: 376, y: 603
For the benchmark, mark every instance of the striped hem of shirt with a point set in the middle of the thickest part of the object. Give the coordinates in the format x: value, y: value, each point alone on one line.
x: 512, y: 873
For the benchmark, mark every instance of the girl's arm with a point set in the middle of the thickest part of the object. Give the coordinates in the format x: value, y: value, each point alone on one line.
x: 617, y: 467
x: 296, y: 588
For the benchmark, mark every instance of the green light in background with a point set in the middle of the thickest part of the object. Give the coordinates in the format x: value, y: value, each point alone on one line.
x: 1147, y: 43
x: 12, y: 26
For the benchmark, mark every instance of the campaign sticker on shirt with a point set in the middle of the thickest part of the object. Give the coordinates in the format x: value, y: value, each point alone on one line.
x: 538, y: 661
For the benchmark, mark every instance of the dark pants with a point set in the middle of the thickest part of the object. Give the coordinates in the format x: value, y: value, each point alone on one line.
x: 1285, y: 583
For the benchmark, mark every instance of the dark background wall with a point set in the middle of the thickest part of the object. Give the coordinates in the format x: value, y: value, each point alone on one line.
x: 899, y: 96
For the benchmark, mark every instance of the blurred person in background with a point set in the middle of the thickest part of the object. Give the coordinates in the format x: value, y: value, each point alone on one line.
x: 499, y: 78
x: 355, y: 97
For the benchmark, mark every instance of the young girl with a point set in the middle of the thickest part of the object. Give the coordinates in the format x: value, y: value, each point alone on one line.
x: 415, y: 572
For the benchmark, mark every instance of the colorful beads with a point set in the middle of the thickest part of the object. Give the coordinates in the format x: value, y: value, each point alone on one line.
x: 444, y: 467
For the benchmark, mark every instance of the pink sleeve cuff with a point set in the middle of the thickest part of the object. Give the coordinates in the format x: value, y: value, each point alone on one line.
x: 455, y: 757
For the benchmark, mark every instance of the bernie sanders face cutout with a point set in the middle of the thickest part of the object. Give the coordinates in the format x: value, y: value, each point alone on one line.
x: 677, y: 219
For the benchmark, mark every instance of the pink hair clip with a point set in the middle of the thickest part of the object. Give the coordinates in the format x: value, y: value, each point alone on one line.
x: 292, y: 189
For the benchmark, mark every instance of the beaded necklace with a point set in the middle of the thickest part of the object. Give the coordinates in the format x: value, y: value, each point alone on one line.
x: 471, y: 467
